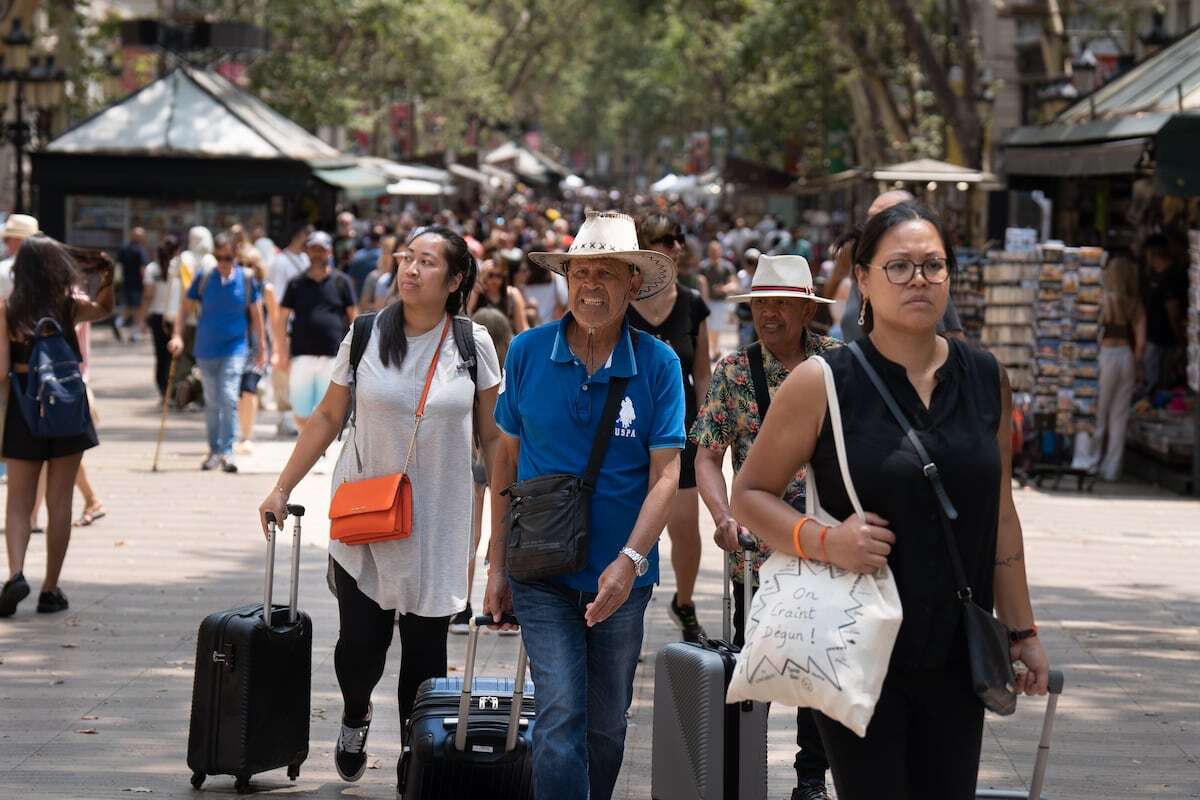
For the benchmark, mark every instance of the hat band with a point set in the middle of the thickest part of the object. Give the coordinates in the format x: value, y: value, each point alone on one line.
x: 797, y: 289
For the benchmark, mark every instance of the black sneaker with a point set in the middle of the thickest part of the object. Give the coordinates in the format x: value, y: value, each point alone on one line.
x: 15, y: 590
x: 685, y: 618
x: 461, y: 622
x: 811, y: 789
x: 52, y: 602
x: 350, y: 758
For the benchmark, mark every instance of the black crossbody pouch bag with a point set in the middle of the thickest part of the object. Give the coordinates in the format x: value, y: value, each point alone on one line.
x: 987, y: 638
x: 549, y: 516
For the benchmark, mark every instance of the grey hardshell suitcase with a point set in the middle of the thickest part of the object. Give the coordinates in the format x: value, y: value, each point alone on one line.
x: 251, y: 696
x: 1043, y: 752
x: 705, y: 748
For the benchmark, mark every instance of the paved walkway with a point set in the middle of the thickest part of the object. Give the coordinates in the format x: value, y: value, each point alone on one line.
x: 94, y: 703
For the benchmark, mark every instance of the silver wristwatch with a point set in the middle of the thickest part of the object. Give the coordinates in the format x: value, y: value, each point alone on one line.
x: 641, y: 564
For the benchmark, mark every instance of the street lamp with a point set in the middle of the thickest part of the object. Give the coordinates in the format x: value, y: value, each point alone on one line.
x: 32, y: 82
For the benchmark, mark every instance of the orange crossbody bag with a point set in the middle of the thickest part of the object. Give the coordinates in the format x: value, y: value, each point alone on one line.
x: 380, y: 509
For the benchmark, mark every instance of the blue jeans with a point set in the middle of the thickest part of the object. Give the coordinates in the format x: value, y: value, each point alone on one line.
x: 584, y: 685
x: 221, y: 378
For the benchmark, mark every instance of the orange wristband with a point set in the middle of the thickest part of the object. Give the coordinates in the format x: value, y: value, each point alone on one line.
x: 796, y: 538
x: 824, y: 552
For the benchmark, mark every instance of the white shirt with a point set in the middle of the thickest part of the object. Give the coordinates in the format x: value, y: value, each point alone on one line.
x: 425, y: 574
x: 159, y: 303
x: 6, y: 281
x: 286, y: 266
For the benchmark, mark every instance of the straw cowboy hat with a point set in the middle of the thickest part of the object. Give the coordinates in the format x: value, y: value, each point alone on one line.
x: 19, y: 226
x: 608, y: 234
x: 781, y: 276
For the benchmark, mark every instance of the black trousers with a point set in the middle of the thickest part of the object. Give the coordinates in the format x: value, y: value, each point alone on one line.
x: 162, y: 358
x: 923, y: 741
x: 363, y: 641
x: 811, y: 762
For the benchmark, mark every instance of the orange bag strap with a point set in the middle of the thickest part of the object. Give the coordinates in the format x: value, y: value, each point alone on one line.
x: 425, y: 393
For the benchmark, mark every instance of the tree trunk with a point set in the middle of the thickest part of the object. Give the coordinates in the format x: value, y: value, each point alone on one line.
x: 960, y: 112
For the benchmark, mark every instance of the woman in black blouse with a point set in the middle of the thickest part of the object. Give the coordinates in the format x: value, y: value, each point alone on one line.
x: 678, y: 317
x: 924, y: 739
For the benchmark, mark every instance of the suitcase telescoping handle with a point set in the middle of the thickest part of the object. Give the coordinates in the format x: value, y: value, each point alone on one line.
x: 1055, y: 687
x: 748, y: 550
x: 269, y: 579
x: 518, y: 695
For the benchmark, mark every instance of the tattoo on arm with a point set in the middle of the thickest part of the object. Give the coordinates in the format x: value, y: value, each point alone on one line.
x: 1011, y: 560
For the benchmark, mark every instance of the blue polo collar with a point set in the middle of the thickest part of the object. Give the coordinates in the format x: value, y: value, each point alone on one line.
x: 621, y: 362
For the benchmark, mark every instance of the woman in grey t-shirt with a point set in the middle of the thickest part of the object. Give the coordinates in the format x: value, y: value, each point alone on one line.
x: 422, y: 578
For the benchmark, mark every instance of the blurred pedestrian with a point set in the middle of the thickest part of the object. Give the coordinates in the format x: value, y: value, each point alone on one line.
x: 159, y: 316
x: 133, y: 259
x: 252, y: 373
x: 745, y: 279
x: 196, y: 260
x: 316, y: 310
x: 363, y: 262
x: 957, y: 401
x: 492, y: 290
x: 415, y: 583
x: 1165, y: 298
x: 227, y: 298
x: 44, y: 285
x: 289, y: 263
x: 17, y: 228
x: 1122, y: 347
x: 678, y: 316
x: 370, y: 298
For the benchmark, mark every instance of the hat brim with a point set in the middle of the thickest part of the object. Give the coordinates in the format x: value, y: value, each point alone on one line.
x: 745, y: 298
x: 657, y: 270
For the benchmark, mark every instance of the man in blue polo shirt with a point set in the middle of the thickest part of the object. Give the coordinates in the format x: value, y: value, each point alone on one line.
x: 228, y: 301
x: 583, y: 631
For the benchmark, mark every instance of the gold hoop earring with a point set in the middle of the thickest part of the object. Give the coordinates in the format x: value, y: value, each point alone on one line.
x: 862, y: 313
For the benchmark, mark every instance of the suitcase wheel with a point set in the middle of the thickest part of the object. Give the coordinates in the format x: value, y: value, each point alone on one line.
x: 242, y: 785
x: 197, y: 780
x: 293, y: 771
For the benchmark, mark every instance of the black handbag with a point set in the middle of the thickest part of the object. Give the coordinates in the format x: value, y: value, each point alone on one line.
x: 548, y: 518
x: 987, y: 638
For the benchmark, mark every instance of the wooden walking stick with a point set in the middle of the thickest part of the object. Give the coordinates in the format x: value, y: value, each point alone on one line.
x: 162, y: 423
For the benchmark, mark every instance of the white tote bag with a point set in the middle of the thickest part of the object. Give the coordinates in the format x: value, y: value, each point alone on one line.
x: 819, y: 636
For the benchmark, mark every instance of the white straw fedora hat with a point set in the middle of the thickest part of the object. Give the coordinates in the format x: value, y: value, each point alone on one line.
x: 609, y: 234
x: 782, y: 276
x: 20, y: 226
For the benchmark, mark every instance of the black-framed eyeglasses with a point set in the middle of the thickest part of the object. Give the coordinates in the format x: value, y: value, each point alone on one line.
x: 901, y: 270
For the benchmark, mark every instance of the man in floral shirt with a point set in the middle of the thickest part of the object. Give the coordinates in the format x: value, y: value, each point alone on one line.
x: 783, y: 303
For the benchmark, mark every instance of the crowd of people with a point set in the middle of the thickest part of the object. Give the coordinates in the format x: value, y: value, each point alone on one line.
x: 698, y: 323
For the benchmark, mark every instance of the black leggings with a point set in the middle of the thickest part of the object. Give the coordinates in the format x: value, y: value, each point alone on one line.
x: 923, y: 741
x: 811, y: 762
x: 363, y: 641
x: 162, y: 357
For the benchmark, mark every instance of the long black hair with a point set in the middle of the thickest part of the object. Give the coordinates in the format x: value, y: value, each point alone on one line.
x: 168, y: 248
x: 44, y: 276
x: 393, y: 344
x: 878, y: 226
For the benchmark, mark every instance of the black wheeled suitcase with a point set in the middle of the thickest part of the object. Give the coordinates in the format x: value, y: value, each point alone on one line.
x: 251, y: 696
x: 1043, y: 753
x: 471, y: 737
x: 703, y: 747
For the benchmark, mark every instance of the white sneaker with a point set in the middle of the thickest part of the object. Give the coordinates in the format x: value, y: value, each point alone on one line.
x: 228, y: 463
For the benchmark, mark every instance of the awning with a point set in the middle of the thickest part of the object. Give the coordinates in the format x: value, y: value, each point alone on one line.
x: 415, y: 187
x: 356, y: 183
x: 1177, y: 170
x: 1121, y: 157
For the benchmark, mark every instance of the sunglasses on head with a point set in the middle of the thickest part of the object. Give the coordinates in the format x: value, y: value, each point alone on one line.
x: 671, y: 238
